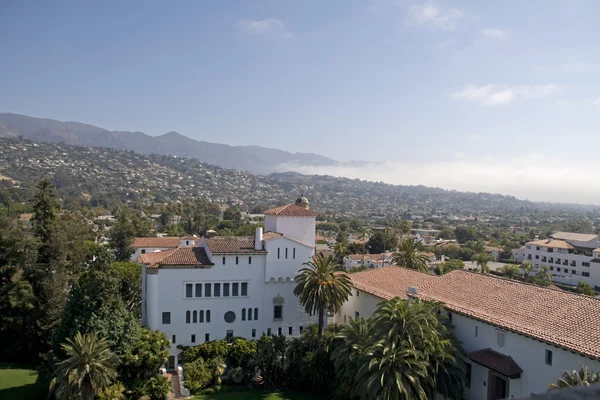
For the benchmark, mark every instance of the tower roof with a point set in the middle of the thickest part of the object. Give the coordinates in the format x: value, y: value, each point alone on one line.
x: 291, y: 210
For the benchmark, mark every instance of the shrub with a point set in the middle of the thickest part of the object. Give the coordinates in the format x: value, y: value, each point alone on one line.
x: 112, y: 392
x: 208, y: 350
x: 237, y: 375
x: 157, y: 388
x: 241, y: 352
x: 196, y: 375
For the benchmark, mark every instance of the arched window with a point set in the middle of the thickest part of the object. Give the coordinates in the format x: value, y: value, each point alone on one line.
x: 255, y: 314
x: 195, y: 316
x: 201, y: 315
x: 207, y: 315
x: 249, y: 314
x: 243, y: 314
x: 187, y: 317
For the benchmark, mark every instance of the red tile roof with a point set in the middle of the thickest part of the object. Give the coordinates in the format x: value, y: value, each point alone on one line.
x: 560, y: 318
x: 271, y: 235
x: 232, y: 244
x: 291, y: 210
x: 554, y: 244
x: 156, y: 242
x: 179, y: 256
x: 496, y: 361
x: 389, y: 282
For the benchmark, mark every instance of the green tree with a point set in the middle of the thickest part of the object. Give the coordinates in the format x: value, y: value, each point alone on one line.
x: 482, y: 260
x: 89, y: 368
x: 447, y: 234
x: 543, y: 277
x: 149, y: 351
x: 197, y: 375
x: 45, y: 208
x: 321, y: 286
x: 465, y: 234
x: 129, y: 275
x: 584, y: 288
x: 527, y: 268
x: 450, y: 265
x: 511, y: 271
x: 381, y: 241
x: 581, y: 377
x: 157, y: 388
x: 95, y: 304
x: 234, y: 215
x: 247, y: 229
x: 122, y: 235
x: 410, y: 255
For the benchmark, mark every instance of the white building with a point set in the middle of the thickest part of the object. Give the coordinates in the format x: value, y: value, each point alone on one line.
x: 231, y: 286
x: 518, y: 337
x: 571, y: 257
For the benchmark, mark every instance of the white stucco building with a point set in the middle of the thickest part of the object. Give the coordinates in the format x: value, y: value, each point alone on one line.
x: 231, y: 285
x: 571, y: 257
x: 518, y: 337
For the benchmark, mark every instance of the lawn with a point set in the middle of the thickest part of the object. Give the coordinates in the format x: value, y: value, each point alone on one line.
x: 20, y: 382
x: 257, y: 395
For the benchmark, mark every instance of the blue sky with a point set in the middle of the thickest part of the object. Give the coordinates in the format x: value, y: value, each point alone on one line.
x: 472, y: 95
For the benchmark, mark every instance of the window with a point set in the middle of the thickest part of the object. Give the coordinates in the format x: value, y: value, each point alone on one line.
x: 278, y: 252
x: 217, y: 292
x: 237, y: 260
x: 557, y: 269
x: 244, y: 288
x: 537, y: 247
x: 290, y: 330
x: 357, y: 293
x: 166, y: 318
x: 269, y: 331
x: 226, y: 290
x: 255, y: 314
x: 195, y: 316
x: 207, y: 315
x: 294, y: 253
x: 229, y: 317
x: 143, y: 251
x: 235, y: 289
x: 356, y: 314
x: 223, y: 260
x: 450, y: 316
x: 174, y: 339
x: 187, y: 242
x: 468, y: 380
x: 585, y: 274
x: 229, y: 334
x: 193, y: 338
x: 551, y: 268
x: 279, y: 331
x: 585, y: 264
x: 476, y: 331
x: 206, y: 337
x: 574, y: 272
x: 548, y: 357
x: 201, y: 315
x: 250, y: 260
x: 277, y: 312
x: 243, y: 314
x: 187, y: 317
x: 249, y: 314
x: 253, y: 332
x: 537, y: 257
x: 207, y: 289
x: 500, y: 337
x: 345, y: 318
x: 189, y: 290
x: 286, y: 253
x: 198, y: 290
x: 301, y: 327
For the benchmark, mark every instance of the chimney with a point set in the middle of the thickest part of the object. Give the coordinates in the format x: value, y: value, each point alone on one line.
x: 258, y: 238
x: 412, y: 290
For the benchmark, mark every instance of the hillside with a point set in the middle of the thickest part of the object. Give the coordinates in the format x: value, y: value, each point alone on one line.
x: 254, y: 159
x: 102, y: 176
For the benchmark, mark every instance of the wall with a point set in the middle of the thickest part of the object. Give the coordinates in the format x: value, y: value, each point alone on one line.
x: 299, y: 228
x: 365, y: 303
x: 278, y: 269
x: 528, y: 353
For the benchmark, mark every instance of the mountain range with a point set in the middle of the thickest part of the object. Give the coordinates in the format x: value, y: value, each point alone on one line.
x: 255, y: 159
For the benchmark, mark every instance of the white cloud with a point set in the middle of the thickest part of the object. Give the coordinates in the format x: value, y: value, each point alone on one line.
x: 260, y: 26
x: 495, y: 33
x: 493, y: 95
x: 504, y: 174
x: 432, y: 14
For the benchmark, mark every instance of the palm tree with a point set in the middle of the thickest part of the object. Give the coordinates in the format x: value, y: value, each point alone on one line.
x: 482, y: 260
x: 410, y: 255
x: 583, y: 377
x: 322, y: 286
x: 543, y: 277
x: 91, y: 366
x: 510, y: 271
x: 527, y: 270
x: 217, y: 367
